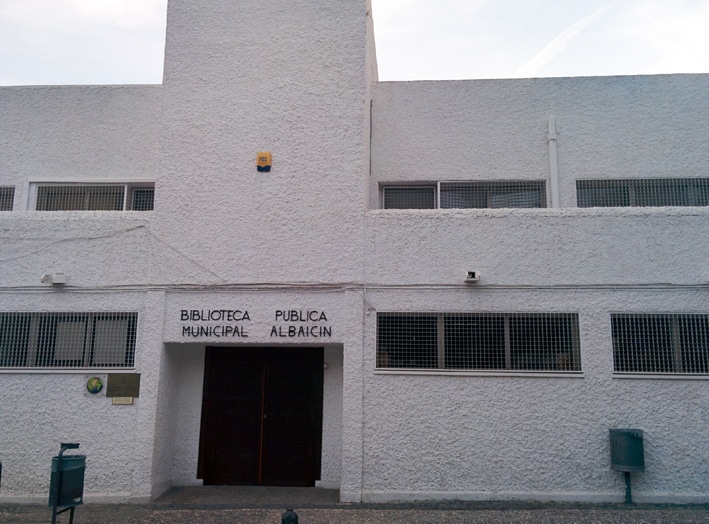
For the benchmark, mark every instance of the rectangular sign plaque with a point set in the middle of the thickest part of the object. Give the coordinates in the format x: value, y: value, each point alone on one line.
x: 123, y: 385
x: 122, y: 401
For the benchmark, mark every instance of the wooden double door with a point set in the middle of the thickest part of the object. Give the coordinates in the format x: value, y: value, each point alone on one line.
x: 261, y: 416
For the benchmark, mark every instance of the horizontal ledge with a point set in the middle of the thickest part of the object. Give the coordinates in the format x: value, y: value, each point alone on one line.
x: 64, y: 371
x: 471, y: 373
x: 660, y: 376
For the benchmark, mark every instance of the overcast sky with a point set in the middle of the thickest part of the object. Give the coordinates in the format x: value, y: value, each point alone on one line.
x: 122, y: 41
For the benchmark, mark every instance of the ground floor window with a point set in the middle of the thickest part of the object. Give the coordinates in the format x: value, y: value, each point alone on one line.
x: 67, y: 340
x: 479, y: 341
x: 7, y: 197
x: 660, y: 343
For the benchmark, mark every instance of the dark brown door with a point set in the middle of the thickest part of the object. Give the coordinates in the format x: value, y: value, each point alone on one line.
x: 261, y: 416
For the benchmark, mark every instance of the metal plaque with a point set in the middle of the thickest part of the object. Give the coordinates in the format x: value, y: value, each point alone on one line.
x: 123, y: 385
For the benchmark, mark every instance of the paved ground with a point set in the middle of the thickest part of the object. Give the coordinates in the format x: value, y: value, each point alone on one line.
x: 316, y: 506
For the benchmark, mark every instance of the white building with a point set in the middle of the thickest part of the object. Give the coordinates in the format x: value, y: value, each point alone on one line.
x: 326, y: 294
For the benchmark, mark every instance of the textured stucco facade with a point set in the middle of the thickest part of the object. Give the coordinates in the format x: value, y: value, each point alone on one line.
x: 299, y: 80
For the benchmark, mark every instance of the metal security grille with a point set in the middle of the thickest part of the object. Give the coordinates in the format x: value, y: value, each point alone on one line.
x: 67, y: 340
x: 660, y: 343
x: 142, y: 199
x: 493, y: 194
x: 80, y: 198
x: 410, y: 197
x: 657, y: 192
x: 94, y: 198
x: 479, y: 341
x: 7, y: 197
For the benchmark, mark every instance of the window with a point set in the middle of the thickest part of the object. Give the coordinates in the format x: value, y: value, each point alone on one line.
x: 410, y: 197
x: 645, y: 192
x: 466, y: 195
x: 493, y: 194
x: 479, y: 341
x: 67, y: 340
x: 7, y: 197
x: 660, y: 343
x: 104, y: 197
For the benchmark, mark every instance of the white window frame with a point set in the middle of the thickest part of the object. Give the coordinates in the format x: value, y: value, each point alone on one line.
x: 75, y: 336
x: 675, y: 343
x: 128, y: 187
x: 488, y: 185
x: 633, y: 185
x: 507, y: 370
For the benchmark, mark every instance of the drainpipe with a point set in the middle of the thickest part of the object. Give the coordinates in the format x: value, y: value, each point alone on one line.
x: 553, y: 165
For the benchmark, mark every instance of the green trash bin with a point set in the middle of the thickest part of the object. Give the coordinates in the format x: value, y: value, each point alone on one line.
x: 71, y: 481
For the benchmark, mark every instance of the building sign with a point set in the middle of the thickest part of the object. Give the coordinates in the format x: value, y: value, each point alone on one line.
x: 300, y: 323
x: 216, y: 323
x: 233, y: 323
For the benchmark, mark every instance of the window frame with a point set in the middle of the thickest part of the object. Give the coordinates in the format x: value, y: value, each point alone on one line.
x: 490, y: 188
x: 46, y: 341
x: 128, y: 188
x: 674, y: 352
x: 419, y: 185
x: 7, y: 196
x: 633, y: 189
x: 440, y: 354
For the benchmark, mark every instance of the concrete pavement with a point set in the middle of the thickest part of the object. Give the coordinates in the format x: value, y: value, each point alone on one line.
x: 221, y: 504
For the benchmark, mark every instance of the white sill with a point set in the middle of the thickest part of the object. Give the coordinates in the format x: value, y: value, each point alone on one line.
x: 64, y: 371
x: 463, y: 373
x: 660, y: 376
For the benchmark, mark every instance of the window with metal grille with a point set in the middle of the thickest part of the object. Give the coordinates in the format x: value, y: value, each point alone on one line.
x: 467, y: 195
x: 660, y: 343
x: 7, y: 197
x: 409, y: 197
x: 67, y: 340
x: 99, y: 197
x: 645, y: 192
x: 479, y: 341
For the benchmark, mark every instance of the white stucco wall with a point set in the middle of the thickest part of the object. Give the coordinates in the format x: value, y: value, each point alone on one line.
x: 40, y: 409
x: 472, y: 435
x: 479, y: 436
x: 606, y: 127
x: 288, y: 78
x: 77, y: 133
x: 295, y: 79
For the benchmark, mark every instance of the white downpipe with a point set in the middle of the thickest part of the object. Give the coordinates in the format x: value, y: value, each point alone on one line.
x: 553, y: 164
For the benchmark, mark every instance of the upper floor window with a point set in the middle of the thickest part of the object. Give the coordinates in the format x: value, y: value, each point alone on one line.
x: 644, y: 192
x: 466, y: 195
x: 7, y: 197
x: 67, y: 340
x: 95, y: 197
x: 660, y: 343
x: 409, y: 197
x: 479, y: 341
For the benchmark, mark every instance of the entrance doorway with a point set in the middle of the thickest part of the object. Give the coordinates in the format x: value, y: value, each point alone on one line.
x: 261, y: 416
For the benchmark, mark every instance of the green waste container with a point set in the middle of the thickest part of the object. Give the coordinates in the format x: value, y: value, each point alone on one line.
x: 71, y: 481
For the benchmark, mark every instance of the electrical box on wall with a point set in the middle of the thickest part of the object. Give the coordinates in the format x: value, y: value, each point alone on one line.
x: 263, y: 161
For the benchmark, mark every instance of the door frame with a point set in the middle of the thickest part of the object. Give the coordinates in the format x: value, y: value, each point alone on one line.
x: 266, y: 352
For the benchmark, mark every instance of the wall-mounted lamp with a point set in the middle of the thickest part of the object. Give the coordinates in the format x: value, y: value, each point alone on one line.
x: 471, y: 277
x: 56, y: 279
